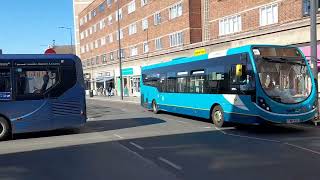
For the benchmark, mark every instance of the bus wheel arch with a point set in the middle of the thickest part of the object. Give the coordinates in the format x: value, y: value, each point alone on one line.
x: 155, y: 107
x: 5, y: 128
x: 217, y: 115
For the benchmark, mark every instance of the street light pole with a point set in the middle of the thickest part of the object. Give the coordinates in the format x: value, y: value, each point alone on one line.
x: 120, y: 55
x: 313, y: 44
x: 71, y: 38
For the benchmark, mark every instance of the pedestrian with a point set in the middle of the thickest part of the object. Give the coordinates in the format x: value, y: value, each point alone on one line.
x: 109, y: 91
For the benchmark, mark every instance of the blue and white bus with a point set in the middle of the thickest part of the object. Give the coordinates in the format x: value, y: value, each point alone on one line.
x: 40, y: 93
x: 252, y: 84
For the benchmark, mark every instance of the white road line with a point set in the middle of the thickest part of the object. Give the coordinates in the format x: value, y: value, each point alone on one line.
x: 183, y: 122
x: 306, y: 149
x: 170, y: 163
x: 137, y: 154
x: 118, y: 136
x: 256, y: 138
x: 207, y: 127
x: 220, y: 130
x: 136, y: 145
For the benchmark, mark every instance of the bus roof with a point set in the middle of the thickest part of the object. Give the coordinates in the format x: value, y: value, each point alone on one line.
x: 230, y: 51
x: 36, y: 56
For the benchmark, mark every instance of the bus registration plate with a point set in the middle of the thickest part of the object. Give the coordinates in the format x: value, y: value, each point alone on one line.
x: 290, y: 121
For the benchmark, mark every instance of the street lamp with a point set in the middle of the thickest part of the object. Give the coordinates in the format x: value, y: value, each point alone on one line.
x: 71, y: 38
x: 120, y: 54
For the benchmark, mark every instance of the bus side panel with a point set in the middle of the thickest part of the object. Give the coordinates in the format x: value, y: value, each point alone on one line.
x: 32, y: 116
x: 69, y: 109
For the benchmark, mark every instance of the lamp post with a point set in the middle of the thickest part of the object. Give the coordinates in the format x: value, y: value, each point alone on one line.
x: 120, y: 54
x: 71, y: 38
x: 313, y: 44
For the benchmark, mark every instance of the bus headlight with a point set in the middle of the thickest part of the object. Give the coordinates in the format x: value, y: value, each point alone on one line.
x: 262, y: 103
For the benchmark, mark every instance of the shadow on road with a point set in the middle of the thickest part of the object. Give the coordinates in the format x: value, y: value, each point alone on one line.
x: 95, y: 126
x: 201, y: 155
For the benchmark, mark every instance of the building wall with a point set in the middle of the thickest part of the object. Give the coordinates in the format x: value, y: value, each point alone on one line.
x: 189, y: 23
x: 78, y: 6
x: 292, y: 28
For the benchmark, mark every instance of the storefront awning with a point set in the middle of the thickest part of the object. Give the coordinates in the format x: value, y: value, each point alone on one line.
x: 103, y: 79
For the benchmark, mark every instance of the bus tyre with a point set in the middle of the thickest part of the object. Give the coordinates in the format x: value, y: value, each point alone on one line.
x: 217, y: 116
x: 4, y: 129
x: 155, y: 107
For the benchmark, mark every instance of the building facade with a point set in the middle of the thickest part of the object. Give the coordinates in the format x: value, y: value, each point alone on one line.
x: 78, y: 6
x: 154, y: 31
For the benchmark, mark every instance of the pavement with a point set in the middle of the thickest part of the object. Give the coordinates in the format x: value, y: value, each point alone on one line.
x: 126, y: 141
x: 130, y: 99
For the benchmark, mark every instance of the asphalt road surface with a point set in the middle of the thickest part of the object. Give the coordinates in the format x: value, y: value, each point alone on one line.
x: 124, y: 141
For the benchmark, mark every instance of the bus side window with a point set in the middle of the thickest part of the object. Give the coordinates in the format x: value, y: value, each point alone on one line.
x: 171, y: 82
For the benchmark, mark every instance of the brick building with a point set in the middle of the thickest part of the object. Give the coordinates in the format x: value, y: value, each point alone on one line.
x: 78, y: 6
x: 155, y: 31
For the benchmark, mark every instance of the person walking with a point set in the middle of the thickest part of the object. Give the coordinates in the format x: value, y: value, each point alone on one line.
x: 109, y: 91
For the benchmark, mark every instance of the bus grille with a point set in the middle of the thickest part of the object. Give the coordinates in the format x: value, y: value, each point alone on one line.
x: 66, y: 108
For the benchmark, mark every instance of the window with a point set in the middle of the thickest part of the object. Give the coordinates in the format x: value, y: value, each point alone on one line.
x: 109, y: 2
x: 110, y: 19
x: 145, y: 23
x: 101, y: 7
x: 104, y: 59
x: 110, y: 38
x: 269, y: 15
x: 145, y: 47
x: 82, y: 35
x: 182, y: 84
x: 144, y: 2
x: 89, y: 16
x: 175, y: 11
x: 132, y: 28
x: 103, y: 41
x: 111, y: 56
x: 197, y: 80
x: 131, y: 7
x: 81, y: 21
x: 157, y: 18
x: 90, y: 30
x: 158, y: 44
x: 121, y: 34
x: 96, y: 45
x: 171, y: 82
x: 94, y: 13
x: 307, y: 7
x: 120, y: 14
x: 230, y: 25
x: 176, y: 39
x: 97, y: 60
x: 35, y: 82
x: 122, y: 53
x: 86, y: 33
x: 5, y: 84
x: 134, y: 51
x: 91, y: 45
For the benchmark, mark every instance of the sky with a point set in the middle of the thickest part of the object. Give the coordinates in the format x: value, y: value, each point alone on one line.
x: 28, y: 27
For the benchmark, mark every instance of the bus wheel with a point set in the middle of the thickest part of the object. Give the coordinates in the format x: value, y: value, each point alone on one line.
x: 4, y: 129
x: 217, y: 116
x: 155, y: 107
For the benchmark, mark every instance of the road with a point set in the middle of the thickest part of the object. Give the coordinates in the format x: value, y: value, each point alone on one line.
x: 124, y: 141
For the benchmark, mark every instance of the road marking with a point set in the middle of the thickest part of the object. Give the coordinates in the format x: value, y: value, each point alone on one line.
x: 207, y: 127
x: 136, y: 145
x: 118, y: 136
x: 183, y: 122
x: 170, y: 163
x: 306, y: 149
x: 137, y: 154
x: 251, y: 137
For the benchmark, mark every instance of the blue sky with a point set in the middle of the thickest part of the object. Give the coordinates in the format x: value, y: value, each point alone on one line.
x: 26, y: 26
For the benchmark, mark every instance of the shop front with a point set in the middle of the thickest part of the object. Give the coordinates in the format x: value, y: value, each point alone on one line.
x: 131, y: 81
